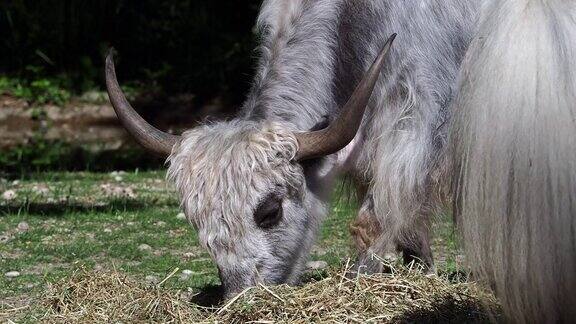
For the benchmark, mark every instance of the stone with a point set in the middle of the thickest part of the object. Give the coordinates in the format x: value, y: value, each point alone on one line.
x: 185, y: 275
x: 23, y: 227
x: 189, y: 255
x: 316, y: 265
x: 41, y: 189
x: 181, y: 216
x: 9, y: 195
x: 144, y: 247
x: 12, y: 274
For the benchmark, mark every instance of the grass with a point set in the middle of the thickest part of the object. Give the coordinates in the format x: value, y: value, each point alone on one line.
x: 127, y: 223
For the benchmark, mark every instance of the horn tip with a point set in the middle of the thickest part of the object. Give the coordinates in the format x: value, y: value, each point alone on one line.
x: 392, y: 38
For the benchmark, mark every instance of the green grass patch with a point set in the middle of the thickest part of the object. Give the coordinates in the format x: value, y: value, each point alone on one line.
x: 56, y: 223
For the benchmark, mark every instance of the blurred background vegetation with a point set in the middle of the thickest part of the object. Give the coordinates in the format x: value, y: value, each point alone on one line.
x: 179, y: 61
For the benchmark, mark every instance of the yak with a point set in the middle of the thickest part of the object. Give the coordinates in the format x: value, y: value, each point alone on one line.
x: 473, y: 107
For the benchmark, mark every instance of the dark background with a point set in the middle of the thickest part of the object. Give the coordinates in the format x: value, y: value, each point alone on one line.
x: 205, y: 46
x: 174, y: 59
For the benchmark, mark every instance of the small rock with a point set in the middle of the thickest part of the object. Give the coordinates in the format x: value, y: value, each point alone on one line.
x: 189, y: 255
x: 15, y: 182
x: 160, y: 223
x: 23, y: 227
x: 9, y: 195
x: 185, y: 275
x: 144, y: 247
x: 151, y: 279
x: 118, y: 175
x: 98, y: 268
x: 316, y: 265
x: 12, y: 274
x: 181, y: 216
x: 41, y: 189
x: 130, y: 224
x: 107, y: 230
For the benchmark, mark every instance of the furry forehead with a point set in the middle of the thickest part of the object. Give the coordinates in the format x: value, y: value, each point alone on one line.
x: 221, y: 170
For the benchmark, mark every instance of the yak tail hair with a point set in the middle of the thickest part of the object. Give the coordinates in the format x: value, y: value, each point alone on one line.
x: 513, y: 148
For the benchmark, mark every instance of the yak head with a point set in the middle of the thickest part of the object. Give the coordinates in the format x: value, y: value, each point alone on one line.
x: 242, y: 185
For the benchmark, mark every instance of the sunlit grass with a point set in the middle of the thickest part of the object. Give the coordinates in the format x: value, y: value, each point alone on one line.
x: 74, y: 222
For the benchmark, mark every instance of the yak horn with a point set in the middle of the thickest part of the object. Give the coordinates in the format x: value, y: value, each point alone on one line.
x: 148, y: 136
x: 343, y: 130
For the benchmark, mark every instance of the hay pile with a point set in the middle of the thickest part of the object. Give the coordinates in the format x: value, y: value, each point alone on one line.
x: 98, y: 297
x: 405, y: 296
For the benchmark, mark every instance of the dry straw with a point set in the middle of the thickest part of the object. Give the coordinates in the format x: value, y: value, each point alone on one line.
x: 403, y: 296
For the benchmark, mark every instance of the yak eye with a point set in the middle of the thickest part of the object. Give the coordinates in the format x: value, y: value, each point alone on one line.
x: 269, y: 212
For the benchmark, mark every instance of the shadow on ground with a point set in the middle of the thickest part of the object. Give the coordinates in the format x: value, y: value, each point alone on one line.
x: 62, y: 208
x: 209, y: 296
x: 448, y: 311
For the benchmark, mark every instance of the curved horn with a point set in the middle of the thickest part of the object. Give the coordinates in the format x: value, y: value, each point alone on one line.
x: 342, y: 131
x: 148, y: 136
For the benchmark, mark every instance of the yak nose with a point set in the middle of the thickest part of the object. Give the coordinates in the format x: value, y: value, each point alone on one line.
x: 234, y: 281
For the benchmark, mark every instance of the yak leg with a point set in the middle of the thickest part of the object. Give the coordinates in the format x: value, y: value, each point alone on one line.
x: 376, y: 248
x: 415, y: 244
x: 366, y: 232
x: 365, y: 229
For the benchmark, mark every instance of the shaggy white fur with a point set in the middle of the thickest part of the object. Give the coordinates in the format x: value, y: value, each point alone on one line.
x: 514, y: 137
x: 221, y: 169
x: 222, y: 172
